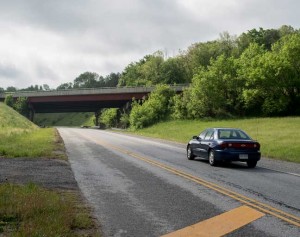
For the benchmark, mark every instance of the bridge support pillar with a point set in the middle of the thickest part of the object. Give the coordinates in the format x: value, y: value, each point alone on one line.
x: 31, y: 112
x: 97, y: 114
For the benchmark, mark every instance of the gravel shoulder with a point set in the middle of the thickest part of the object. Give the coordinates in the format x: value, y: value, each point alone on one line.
x: 48, y: 173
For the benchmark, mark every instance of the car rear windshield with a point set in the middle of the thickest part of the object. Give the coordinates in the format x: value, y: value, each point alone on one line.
x: 232, y: 134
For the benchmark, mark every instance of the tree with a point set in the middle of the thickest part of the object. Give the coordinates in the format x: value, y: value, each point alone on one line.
x: 131, y: 76
x: 250, y: 69
x: 86, y: 80
x: 109, y: 117
x: 173, y: 71
x: 112, y: 80
x: 283, y: 74
x: 227, y: 44
x: 21, y: 106
x: 11, y: 89
x: 65, y: 86
x: 9, y: 100
x: 272, y: 77
x: 215, y: 92
x: 286, y: 30
x: 262, y: 37
x: 46, y: 87
x: 200, y: 54
x: 156, y: 108
x: 145, y: 72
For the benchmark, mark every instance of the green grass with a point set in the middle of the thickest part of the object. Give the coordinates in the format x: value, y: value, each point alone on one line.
x: 30, y: 210
x: 279, y: 137
x: 33, y: 211
x: 22, y: 138
x: 35, y: 143
x: 12, y: 122
x: 64, y: 119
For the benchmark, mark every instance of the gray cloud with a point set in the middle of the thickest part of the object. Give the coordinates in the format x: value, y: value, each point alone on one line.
x: 9, y: 71
x: 51, y: 42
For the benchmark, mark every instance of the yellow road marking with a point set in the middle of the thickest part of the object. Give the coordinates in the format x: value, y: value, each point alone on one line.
x: 219, y: 225
x: 292, y: 219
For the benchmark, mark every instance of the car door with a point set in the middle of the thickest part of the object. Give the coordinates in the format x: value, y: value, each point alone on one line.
x: 206, y: 142
x: 196, y: 144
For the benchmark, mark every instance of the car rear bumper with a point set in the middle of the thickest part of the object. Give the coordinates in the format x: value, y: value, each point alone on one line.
x: 225, y: 155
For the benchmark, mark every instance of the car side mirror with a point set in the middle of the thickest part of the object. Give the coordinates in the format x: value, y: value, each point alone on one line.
x: 196, y: 137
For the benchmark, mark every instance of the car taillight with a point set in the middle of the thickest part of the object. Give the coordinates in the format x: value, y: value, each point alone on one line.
x: 225, y: 145
x: 257, y: 145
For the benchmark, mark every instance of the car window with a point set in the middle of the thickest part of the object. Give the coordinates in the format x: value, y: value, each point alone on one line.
x: 202, y: 135
x: 232, y: 134
x: 209, y: 135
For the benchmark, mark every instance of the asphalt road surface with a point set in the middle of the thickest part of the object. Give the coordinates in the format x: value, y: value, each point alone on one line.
x: 146, y: 187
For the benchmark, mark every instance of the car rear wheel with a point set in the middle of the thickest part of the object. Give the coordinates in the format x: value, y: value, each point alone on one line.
x: 189, y: 153
x: 211, y: 158
x: 251, y: 163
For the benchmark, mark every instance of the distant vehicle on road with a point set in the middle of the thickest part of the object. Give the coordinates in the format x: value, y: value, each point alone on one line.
x: 224, y: 145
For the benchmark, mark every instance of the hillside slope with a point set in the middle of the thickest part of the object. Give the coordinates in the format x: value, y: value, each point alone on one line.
x: 12, y: 122
x: 64, y: 119
x: 22, y: 138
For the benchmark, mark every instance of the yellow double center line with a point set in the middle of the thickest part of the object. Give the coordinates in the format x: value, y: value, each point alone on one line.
x: 295, y: 220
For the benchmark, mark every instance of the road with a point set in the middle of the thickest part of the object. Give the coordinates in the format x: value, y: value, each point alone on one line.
x: 146, y: 187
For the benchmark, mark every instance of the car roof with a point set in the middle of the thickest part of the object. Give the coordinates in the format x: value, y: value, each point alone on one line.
x: 218, y: 128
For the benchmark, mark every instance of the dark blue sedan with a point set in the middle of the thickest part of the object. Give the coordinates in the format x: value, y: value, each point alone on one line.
x: 224, y: 145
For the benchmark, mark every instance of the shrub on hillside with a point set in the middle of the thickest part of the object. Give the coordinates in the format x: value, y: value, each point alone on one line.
x: 9, y: 100
x: 156, y: 108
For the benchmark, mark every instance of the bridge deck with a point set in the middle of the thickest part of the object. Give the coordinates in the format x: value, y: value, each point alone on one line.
x: 83, y: 100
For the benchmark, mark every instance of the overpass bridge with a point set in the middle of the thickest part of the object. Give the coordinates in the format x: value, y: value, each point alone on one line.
x: 83, y: 100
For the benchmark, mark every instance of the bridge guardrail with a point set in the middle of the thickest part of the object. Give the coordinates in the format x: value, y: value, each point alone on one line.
x: 89, y: 91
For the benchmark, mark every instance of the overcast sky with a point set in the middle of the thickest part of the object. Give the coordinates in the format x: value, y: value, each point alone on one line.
x: 54, y: 41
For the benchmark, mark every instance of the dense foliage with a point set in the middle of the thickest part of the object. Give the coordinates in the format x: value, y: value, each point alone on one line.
x: 109, y: 117
x: 20, y: 104
x: 156, y: 108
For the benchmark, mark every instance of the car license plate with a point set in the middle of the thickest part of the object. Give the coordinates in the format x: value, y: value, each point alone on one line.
x: 243, y: 156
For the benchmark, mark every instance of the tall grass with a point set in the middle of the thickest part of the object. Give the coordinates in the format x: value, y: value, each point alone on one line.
x: 279, y: 137
x: 33, y: 211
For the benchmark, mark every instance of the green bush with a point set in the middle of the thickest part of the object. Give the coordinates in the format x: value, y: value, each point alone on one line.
x: 109, y: 117
x: 156, y: 108
x: 124, y: 120
x: 9, y: 100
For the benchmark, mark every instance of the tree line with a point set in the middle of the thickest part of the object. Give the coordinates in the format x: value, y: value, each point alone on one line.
x: 254, y: 74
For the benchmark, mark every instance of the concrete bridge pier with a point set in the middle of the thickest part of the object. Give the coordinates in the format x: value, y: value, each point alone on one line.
x: 97, y: 114
x: 31, y: 112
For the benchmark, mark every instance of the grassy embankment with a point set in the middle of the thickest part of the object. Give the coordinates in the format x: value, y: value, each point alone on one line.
x: 64, y: 119
x: 21, y: 138
x: 279, y: 137
x: 30, y: 210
